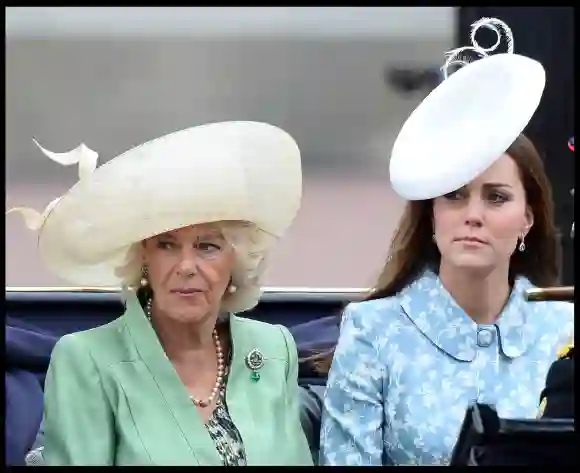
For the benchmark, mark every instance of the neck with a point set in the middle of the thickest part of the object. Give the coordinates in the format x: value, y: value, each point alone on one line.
x: 481, y: 295
x: 183, y: 340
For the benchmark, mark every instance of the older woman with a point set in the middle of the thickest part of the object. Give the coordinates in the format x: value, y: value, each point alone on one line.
x: 184, y: 223
x: 447, y: 323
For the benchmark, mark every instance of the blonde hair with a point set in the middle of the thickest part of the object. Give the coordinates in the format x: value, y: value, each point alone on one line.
x: 247, y: 273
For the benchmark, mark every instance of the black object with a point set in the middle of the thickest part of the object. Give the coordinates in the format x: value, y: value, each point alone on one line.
x: 311, y: 416
x: 411, y: 80
x: 557, y: 398
x: 488, y: 440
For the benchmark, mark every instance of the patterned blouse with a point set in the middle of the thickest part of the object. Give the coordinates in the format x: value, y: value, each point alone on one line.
x: 224, y: 433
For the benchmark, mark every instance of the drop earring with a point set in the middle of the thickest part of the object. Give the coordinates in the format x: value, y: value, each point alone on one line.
x: 144, y: 281
x: 522, y: 245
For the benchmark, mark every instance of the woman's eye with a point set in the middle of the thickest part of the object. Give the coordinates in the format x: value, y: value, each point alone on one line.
x: 165, y: 245
x: 206, y: 246
x: 453, y: 195
x: 497, y: 198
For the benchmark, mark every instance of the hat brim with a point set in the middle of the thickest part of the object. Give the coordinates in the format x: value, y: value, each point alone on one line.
x: 464, y: 125
x: 231, y: 171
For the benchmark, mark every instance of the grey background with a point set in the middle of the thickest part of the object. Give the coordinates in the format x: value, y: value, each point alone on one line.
x: 115, y: 77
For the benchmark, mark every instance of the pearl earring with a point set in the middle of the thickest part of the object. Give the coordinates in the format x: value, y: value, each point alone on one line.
x: 232, y: 288
x: 144, y: 281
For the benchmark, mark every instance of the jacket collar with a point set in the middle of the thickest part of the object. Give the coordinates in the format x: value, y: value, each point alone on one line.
x: 436, y: 314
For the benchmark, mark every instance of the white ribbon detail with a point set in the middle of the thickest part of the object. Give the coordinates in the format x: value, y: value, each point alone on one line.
x: 82, y: 155
x: 458, y: 57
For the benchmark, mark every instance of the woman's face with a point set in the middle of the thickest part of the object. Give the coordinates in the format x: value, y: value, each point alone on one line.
x: 189, y: 271
x: 480, y: 225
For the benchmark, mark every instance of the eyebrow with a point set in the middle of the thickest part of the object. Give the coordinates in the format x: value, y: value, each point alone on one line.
x: 496, y: 184
x: 211, y: 234
x: 206, y: 235
x: 167, y: 235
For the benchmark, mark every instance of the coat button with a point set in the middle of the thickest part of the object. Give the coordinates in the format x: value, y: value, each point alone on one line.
x: 484, y: 337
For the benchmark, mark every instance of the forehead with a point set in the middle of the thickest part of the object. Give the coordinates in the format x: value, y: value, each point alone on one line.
x: 503, y: 171
x: 196, y: 231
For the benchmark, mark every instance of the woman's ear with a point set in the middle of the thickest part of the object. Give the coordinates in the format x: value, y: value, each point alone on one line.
x: 529, y: 218
x: 142, y: 249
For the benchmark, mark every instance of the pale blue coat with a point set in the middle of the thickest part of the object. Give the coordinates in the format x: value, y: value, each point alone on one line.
x: 406, y: 368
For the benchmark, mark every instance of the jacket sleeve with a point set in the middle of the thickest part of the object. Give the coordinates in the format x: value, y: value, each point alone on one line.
x: 295, y: 434
x: 78, y: 420
x: 352, y: 417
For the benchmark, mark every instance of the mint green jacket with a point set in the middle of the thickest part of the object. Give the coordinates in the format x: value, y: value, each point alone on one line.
x: 112, y: 397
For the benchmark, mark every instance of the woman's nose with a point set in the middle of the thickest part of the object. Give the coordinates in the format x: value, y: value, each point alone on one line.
x: 188, y: 263
x: 474, y: 212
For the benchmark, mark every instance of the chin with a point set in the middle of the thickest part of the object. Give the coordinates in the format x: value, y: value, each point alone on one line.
x: 473, y: 263
x: 189, y: 318
x: 192, y: 314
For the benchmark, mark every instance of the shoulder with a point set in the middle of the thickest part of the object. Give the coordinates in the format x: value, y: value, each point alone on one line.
x: 553, y: 317
x: 365, y: 318
x: 362, y: 332
x: 93, y: 344
x: 544, y: 312
x: 557, y: 309
x: 418, y: 296
x: 275, y: 339
x: 372, y: 311
x: 72, y: 360
x: 257, y: 328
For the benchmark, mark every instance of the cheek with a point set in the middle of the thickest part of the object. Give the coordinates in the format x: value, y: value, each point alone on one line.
x: 445, y: 221
x: 220, y: 271
x: 159, y: 269
x: 506, y: 225
x: 160, y: 264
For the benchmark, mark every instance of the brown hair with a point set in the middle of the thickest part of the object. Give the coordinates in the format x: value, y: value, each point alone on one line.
x: 413, y: 249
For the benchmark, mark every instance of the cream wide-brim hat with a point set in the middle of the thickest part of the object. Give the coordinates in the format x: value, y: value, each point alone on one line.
x: 468, y: 122
x: 229, y: 171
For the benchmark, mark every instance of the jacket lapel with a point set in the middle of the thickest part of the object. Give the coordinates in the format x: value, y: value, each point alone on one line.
x: 238, y: 396
x: 244, y: 396
x: 179, y: 405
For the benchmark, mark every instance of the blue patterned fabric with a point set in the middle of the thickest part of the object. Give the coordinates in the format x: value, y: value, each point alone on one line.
x: 406, y: 368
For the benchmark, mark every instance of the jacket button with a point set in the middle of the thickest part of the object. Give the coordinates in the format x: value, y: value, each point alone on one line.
x: 484, y: 337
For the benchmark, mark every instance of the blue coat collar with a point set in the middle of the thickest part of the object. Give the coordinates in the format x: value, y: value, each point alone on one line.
x: 432, y: 309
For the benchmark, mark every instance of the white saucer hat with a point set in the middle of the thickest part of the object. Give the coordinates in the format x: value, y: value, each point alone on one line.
x: 466, y: 124
x: 229, y: 171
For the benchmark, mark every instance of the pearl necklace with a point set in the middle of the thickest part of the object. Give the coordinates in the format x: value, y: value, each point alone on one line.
x: 220, y: 369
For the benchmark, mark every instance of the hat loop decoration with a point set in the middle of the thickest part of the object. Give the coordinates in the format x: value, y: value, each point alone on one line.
x: 82, y: 155
x: 469, y: 120
x: 458, y: 57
